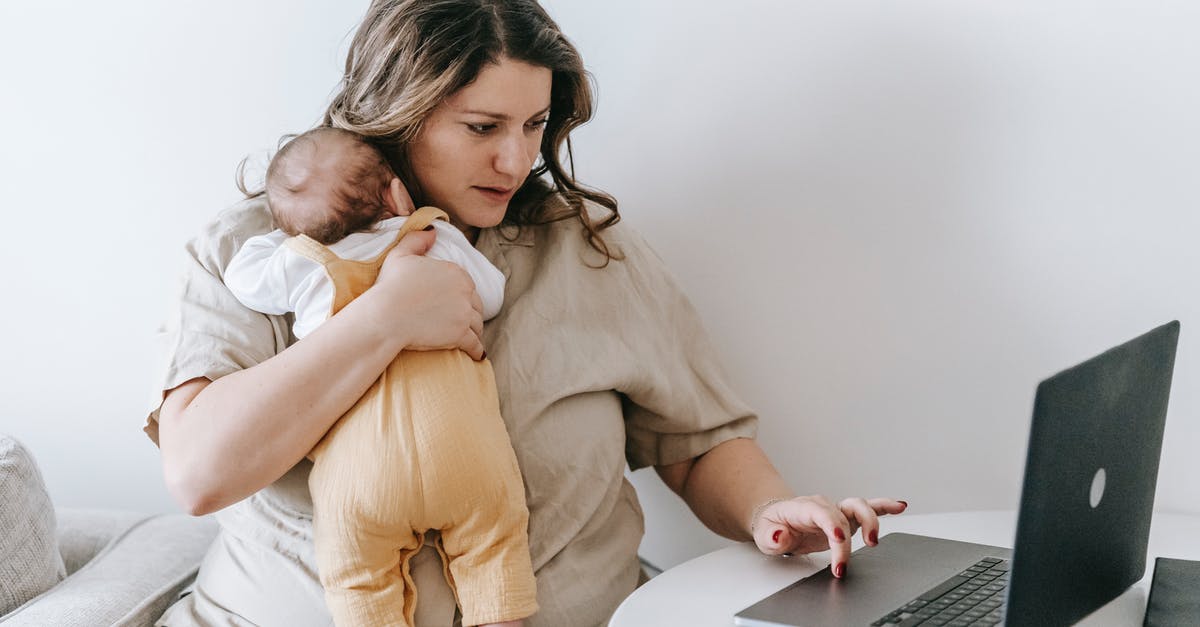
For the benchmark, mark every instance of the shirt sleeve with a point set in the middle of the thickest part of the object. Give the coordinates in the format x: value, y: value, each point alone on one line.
x: 258, y: 275
x: 209, y: 333
x: 680, y: 404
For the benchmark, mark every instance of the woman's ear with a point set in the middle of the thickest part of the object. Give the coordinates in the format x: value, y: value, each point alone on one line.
x: 397, y: 199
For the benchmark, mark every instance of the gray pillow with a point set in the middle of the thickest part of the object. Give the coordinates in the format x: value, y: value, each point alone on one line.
x: 29, y: 559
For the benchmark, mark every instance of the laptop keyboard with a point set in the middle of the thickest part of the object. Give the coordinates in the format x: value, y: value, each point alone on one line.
x: 972, y: 597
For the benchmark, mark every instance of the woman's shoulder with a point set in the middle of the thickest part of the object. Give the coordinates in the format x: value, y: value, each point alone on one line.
x: 621, y: 239
x: 220, y: 239
x: 564, y: 253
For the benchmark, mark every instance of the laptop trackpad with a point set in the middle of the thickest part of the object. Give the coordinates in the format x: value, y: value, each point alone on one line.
x: 878, y: 580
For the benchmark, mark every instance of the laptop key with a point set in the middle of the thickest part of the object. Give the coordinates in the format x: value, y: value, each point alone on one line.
x: 943, y: 588
x: 972, y: 597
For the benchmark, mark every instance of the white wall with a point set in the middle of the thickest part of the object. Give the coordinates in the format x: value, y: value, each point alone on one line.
x: 895, y: 218
x: 124, y: 122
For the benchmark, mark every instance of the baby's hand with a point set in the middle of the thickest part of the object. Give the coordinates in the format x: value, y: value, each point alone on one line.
x: 400, y: 203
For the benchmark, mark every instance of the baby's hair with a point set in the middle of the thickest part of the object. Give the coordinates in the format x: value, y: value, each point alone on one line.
x: 357, y: 196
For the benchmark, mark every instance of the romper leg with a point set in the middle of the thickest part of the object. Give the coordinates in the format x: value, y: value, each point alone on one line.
x: 473, y: 490
x: 366, y: 496
x: 487, y: 555
x: 364, y: 568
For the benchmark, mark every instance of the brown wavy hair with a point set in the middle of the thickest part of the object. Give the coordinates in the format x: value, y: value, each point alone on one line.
x: 410, y: 55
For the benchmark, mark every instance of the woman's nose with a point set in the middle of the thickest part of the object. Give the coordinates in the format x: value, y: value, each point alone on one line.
x: 513, y: 156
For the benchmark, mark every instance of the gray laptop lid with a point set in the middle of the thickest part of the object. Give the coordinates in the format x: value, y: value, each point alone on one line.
x: 1089, y: 481
x: 1071, y: 556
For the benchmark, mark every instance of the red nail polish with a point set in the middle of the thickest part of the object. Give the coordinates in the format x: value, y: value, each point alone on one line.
x: 839, y: 534
x: 874, y: 537
x: 904, y: 503
x: 839, y: 571
x: 484, y: 355
x: 775, y: 536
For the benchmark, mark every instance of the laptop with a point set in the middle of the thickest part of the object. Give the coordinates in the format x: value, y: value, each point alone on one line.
x: 1084, y: 522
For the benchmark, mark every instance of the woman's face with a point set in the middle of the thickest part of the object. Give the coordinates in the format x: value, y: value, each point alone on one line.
x: 478, y: 146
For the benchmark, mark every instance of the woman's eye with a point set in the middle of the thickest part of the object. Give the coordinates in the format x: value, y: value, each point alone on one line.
x: 481, y: 129
x: 539, y: 124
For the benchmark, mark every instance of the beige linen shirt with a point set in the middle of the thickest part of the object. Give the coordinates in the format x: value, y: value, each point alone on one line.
x: 596, y: 368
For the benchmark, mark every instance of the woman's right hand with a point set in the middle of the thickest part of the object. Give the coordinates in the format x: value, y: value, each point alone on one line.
x: 224, y: 439
x: 435, y: 299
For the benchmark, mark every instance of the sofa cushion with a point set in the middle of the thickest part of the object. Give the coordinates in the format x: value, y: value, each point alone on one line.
x: 130, y: 582
x: 84, y: 533
x: 29, y: 559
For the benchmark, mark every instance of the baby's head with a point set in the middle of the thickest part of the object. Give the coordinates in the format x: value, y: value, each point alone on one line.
x: 327, y: 183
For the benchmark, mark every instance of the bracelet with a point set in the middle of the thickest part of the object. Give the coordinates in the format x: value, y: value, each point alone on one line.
x: 759, y: 510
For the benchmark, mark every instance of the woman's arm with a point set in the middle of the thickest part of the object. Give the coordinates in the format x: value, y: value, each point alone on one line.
x: 736, y: 491
x: 226, y: 439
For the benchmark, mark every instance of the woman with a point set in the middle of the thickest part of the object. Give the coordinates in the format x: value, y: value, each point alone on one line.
x: 599, y: 359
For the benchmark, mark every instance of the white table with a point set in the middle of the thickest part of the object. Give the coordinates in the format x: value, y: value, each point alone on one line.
x: 708, y: 590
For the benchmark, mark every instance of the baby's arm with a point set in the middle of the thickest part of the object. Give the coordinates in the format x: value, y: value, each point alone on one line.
x: 258, y: 274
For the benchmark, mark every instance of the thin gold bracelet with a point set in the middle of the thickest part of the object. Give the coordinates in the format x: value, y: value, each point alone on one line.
x: 759, y: 510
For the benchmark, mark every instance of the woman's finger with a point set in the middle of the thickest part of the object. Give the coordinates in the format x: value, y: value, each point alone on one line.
x: 769, y: 531
x: 860, y: 514
x: 477, y: 314
x: 837, y: 530
x: 887, y: 506
x: 472, y: 345
x: 414, y: 243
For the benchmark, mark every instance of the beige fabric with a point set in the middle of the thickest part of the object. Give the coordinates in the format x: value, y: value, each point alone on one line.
x: 595, y: 369
x: 135, y: 567
x: 435, y: 417
x: 29, y: 559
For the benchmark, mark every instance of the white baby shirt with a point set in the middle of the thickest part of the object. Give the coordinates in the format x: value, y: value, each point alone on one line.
x: 271, y: 278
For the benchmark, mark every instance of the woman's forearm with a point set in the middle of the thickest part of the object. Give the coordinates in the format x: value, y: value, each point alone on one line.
x: 724, y: 485
x: 224, y: 440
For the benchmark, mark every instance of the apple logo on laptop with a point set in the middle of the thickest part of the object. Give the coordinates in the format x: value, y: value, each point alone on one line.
x: 1097, y: 488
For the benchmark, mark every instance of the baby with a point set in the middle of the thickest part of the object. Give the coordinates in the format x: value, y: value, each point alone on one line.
x: 432, y: 419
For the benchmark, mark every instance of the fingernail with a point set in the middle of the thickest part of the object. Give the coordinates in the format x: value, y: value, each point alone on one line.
x: 874, y: 537
x: 775, y: 536
x: 839, y: 571
x: 904, y: 503
x: 839, y: 534
x: 484, y: 355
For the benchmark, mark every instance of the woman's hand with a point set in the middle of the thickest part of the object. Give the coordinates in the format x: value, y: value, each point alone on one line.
x: 806, y: 524
x: 436, y: 299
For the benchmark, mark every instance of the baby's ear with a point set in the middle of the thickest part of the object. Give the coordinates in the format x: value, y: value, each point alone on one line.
x: 398, y: 200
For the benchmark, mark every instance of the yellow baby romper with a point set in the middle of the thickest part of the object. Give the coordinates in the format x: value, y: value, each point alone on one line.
x: 424, y: 448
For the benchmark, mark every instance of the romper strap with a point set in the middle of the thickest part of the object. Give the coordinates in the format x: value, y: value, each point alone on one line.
x: 310, y: 248
x: 419, y: 219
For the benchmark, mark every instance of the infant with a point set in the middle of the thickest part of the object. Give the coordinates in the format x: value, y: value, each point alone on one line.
x: 425, y: 448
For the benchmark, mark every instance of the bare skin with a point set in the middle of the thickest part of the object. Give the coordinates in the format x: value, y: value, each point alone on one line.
x: 725, y: 485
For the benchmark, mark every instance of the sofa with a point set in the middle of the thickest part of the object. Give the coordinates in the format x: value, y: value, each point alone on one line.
x: 86, y: 567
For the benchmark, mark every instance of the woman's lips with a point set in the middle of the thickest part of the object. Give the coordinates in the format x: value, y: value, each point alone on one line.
x: 496, y: 194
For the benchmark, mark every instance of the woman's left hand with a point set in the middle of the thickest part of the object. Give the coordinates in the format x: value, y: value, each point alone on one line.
x: 806, y: 524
